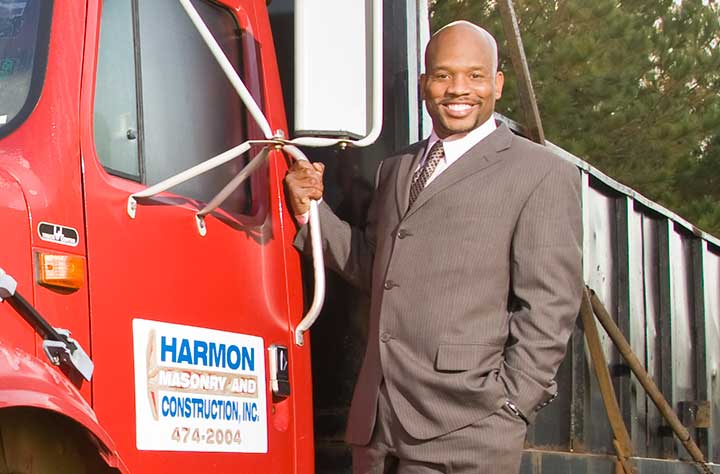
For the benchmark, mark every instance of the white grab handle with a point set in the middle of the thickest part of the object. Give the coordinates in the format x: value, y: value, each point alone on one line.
x: 318, y: 261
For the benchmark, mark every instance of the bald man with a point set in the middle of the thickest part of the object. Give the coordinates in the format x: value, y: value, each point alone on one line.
x: 472, y: 257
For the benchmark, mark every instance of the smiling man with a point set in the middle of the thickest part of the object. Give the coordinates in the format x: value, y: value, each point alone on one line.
x: 472, y: 257
x: 461, y: 82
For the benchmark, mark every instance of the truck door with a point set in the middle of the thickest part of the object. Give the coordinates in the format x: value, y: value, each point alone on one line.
x: 181, y: 323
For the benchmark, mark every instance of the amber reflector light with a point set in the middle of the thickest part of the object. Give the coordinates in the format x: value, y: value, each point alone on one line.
x: 64, y: 271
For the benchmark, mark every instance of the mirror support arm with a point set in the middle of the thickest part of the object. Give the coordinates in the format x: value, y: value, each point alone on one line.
x: 259, y: 117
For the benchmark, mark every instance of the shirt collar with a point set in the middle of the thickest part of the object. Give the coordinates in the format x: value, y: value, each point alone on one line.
x: 456, y: 147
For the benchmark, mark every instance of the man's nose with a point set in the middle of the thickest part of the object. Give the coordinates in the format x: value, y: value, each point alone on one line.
x: 459, y: 85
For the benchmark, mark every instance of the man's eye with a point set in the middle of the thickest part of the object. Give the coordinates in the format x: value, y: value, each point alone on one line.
x: 476, y: 75
x: 441, y: 75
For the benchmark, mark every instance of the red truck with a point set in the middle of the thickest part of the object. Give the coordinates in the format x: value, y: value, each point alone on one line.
x: 140, y: 334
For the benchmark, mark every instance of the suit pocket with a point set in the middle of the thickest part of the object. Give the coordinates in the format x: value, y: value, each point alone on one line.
x: 461, y: 357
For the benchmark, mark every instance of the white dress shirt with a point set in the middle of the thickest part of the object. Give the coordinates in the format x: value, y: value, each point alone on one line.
x: 455, y: 147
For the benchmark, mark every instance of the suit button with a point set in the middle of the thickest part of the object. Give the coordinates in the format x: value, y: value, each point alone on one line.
x: 402, y: 233
x: 389, y: 285
x: 385, y: 337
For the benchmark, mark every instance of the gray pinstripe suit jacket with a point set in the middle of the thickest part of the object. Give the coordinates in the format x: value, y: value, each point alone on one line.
x: 474, y: 291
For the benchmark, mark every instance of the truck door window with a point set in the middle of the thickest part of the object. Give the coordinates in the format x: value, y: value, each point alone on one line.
x: 162, y: 103
x: 115, y: 118
x: 24, y: 37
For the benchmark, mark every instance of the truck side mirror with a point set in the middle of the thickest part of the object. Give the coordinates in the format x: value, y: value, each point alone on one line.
x: 338, y: 68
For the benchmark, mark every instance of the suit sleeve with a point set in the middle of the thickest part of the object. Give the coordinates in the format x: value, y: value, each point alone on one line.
x: 546, y: 281
x: 349, y: 251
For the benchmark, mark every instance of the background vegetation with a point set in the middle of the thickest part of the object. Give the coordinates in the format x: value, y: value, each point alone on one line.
x: 630, y: 86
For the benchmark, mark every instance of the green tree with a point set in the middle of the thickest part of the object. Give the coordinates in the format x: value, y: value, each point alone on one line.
x: 633, y: 87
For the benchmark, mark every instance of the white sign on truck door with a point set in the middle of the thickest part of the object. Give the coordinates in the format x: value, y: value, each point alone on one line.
x: 198, y: 389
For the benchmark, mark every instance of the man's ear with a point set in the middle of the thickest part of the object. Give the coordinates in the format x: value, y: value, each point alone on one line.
x: 423, y: 80
x: 499, y: 82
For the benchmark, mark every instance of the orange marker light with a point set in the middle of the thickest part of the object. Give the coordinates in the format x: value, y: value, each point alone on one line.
x: 64, y: 271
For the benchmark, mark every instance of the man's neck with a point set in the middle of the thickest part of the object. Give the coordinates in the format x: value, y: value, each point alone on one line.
x: 475, y: 135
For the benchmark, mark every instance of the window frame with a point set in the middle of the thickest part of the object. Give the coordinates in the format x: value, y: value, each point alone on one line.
x: 39, y: 69
x: 249, y: 208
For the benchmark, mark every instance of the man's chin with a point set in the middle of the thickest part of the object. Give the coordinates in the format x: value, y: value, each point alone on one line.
x: 458, y: 130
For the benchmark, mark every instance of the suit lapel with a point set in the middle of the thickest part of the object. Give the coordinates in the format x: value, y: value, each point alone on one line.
x: 405, y: 168
x: 483, y: 155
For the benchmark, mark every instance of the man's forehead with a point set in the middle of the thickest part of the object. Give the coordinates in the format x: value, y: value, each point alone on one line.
x: 458, y: 38
x: 444, y: 64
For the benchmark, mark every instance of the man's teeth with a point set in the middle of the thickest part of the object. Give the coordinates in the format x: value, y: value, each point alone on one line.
x: 459, y: 107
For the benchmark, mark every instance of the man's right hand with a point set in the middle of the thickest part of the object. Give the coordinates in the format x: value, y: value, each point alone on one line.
x: 304, y: 181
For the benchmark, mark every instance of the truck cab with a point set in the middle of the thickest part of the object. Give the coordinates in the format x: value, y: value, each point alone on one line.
x: 187, y: 331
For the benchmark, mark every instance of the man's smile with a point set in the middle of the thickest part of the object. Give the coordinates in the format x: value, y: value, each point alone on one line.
x: 458, y: 110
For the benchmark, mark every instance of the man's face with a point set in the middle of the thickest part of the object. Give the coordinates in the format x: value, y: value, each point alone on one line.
x: 460, y: 86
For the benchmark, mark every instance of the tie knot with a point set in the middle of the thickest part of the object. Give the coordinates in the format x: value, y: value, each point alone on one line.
x: 436, y: 150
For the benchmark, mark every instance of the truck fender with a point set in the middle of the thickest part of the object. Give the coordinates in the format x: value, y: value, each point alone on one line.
x: 30, y: 382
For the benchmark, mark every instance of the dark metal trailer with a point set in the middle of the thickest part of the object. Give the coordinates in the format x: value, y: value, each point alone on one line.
x: 659, y: 277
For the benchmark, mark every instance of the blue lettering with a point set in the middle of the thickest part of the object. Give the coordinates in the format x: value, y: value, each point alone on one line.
x: 233, y: 352
x: 208, y: 354
x: 194, y: 407
x: 184, y: 356
x: 167, y: 348
x: 250, y: 412
x: 217, y: 355
x: 235, y: 412
x: 165, y: 406
x: 200, y: 353
x: 248, y: 359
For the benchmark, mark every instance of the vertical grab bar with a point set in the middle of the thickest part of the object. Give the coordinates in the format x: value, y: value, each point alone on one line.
x: 318, y: 261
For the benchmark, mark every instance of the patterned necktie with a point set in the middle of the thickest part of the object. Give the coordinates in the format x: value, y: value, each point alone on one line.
x: 437, y: 153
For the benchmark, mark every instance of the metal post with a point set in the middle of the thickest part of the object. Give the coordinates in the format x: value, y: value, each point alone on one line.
x: 517, y: 55
x: 621, y: 441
